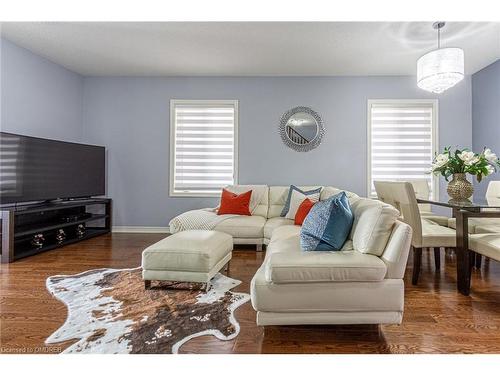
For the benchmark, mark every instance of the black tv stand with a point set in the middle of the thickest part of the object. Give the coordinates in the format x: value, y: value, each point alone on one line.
x: 34, y: 228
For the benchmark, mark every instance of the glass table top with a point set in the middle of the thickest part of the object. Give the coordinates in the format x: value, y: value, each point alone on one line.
x: 474, y: 203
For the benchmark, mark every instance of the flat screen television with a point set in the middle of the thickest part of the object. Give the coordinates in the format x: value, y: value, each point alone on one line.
x: 37, y: 169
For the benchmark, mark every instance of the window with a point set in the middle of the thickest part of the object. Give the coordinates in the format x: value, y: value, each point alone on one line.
x: 203, y: 146
x: 402, y: 141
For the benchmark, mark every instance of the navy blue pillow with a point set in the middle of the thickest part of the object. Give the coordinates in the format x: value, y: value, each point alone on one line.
x: 327, y: 225
x: 286, y: 208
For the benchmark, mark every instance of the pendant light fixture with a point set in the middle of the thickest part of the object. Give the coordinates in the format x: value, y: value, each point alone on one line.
x: 442, y: 68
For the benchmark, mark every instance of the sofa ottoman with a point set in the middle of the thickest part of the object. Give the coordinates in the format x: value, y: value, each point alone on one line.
x: 189, y: 256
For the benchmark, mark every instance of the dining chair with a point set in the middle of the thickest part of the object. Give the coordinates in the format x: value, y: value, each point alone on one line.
x: 486, y: 225
x: 423, y: 191
x: 483, y: 224
x: 426, y: 233
x: 486, y: 244
x: 493, y: 189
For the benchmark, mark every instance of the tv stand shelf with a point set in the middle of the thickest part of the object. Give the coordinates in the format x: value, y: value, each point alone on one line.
x: 34, y: 228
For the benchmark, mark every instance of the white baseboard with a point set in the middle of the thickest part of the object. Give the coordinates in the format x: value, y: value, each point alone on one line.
x: 135, y: 229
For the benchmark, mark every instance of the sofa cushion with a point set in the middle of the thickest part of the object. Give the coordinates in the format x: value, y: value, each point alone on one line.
x: 395, y: 256
x: 278, y: 196
x: 286, y: 262
x: 312, y: 267
x: 286, y: 236
x: 284, y: 232
x: 260, y: 197
x: 273, y: 223
x: 303, y: 211
x: 294, y: 194
x: 329, y: 191
x: 243, y: 226
x: 231, y: 203
x: 372, y: 227
x: 296, y: 200
x: 328, y: 224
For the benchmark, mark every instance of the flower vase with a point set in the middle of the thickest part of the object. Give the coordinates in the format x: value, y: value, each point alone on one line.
x: 459, y: 188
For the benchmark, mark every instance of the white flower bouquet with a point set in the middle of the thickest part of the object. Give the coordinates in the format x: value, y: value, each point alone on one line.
x: 464, y: 161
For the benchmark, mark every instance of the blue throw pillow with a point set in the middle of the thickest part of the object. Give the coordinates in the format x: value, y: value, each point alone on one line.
x: 286, y: 208
x: 327, y: 225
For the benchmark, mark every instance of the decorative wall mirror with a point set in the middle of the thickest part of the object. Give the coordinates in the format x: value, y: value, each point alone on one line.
x: 301, y: 129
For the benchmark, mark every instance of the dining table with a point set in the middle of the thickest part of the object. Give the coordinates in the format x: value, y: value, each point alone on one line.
x: 463, y: 210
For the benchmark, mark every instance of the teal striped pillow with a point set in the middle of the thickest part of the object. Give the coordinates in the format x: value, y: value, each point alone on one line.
x: 328, y: 224
x: 286, y: 208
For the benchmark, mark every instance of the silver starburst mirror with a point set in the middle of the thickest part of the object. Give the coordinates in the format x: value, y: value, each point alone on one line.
x: 301, y: 129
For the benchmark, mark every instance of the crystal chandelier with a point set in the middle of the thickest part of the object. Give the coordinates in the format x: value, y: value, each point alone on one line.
x: 440, y: 69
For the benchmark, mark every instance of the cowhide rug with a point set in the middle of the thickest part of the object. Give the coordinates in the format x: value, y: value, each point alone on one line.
x: 109, y: 311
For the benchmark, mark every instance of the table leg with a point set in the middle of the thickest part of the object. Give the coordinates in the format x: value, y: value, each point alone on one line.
x: 417, y: 261
x: 478, y: 261
x: 462, y: 250
x: 437, y: 258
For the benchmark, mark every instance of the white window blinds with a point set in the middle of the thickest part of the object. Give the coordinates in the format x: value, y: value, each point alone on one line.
x: 402, y: 141
x: 203, y: 146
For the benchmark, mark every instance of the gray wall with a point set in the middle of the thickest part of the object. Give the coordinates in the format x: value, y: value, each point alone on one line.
x: 38, y: 97
x: 486, y: 114
x: 131, y: 117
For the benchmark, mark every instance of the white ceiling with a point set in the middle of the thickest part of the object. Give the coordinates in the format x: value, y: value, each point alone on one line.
x: 250, y: 48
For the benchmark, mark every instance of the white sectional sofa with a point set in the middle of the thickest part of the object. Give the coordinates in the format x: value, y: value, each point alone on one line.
x: 258, y: 228
x: 344, y: 287
x: 361, y: 284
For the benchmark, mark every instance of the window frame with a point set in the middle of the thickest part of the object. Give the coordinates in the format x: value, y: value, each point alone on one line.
x: 173, y: 104
x: 434, y: 135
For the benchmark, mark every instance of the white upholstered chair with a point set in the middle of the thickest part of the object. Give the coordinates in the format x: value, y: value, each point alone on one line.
x: 426, y: 233
x: 485, y: 244
x: 422, y: 191
x: 493, y: 190
x: 483, y: 224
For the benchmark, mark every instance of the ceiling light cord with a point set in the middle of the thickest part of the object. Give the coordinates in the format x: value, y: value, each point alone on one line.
x: 438, y: 26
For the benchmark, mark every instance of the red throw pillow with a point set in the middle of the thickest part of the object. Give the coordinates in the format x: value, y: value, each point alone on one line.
x: 235, y: 204
x: 303, y: 210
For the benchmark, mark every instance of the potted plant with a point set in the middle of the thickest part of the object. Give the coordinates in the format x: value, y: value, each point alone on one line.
x: 460, y: 162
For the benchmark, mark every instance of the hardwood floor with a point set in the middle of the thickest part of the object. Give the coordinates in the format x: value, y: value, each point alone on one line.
x: 437, y: 318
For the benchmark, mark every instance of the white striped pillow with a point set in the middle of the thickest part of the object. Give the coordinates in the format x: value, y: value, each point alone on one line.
x: 296, y: 200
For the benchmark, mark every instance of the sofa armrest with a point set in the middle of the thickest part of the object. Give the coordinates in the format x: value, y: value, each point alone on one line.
x: 396, y: 252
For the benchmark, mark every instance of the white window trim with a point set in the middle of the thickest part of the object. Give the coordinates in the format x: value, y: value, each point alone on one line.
x: 435, y: 136
x: 173, y: 103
